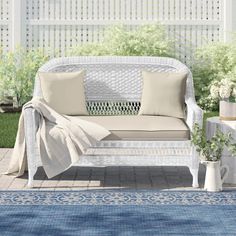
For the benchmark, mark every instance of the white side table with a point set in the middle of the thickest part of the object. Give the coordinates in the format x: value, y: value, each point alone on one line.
x: 227, y: 158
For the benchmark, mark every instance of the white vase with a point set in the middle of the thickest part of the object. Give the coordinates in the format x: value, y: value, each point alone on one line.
x: 227, y: 110
x: 215, y: 176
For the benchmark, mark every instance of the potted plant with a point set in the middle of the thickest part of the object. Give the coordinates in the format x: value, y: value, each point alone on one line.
x: 210, y: 153
x: 225, y: 90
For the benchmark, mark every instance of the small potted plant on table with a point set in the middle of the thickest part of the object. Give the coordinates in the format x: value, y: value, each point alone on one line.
x: 210, y: 153
x: 225, y: 90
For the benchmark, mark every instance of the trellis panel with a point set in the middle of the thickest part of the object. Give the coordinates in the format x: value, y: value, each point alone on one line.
x: 58, y: 25
x: 5, y: 17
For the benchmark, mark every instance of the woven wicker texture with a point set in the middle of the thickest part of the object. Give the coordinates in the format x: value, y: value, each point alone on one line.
x: 113, y: 85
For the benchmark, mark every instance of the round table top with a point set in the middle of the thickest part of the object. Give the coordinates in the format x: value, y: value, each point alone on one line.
x: 216, y: 120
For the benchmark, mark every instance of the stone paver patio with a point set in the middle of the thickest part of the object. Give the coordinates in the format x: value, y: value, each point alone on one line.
x: 174, y: 178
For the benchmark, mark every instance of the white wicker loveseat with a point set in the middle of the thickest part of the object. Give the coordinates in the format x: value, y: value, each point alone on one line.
x: 113, y: 87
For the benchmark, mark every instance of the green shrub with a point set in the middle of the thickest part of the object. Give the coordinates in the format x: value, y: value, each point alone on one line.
x: 146, y: 40
x: 89, y: 49
x: 17, y: 73
x: 213, y: 62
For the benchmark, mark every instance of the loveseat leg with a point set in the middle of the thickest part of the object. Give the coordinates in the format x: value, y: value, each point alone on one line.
x: 31, y: 173
x: 30, y: 179
x: 194, y: 173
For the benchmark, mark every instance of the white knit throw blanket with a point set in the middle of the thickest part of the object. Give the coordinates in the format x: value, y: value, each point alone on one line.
x: 61, y: 140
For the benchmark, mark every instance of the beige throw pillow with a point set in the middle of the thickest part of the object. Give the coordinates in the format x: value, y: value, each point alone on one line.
x: 163, y: 94
x: 64, y: 92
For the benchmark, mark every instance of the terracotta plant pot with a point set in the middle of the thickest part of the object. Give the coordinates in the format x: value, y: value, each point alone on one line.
x: 227, y: 110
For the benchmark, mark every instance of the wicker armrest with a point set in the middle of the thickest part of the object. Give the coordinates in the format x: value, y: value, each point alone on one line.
x: 194, y: 114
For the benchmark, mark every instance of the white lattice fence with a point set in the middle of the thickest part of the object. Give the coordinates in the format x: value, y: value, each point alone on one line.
x: 5, y: 17
x: 61, y: 24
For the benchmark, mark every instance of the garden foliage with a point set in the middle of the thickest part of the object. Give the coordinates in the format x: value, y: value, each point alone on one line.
x: 17, y: 73
x: 146, y: 40
x: 214, y: 64
x: 212, y: 149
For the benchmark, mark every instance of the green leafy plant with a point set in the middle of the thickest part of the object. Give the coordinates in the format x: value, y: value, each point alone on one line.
x: 213, y: 63
x: 17, y: 73
x: 146, y: 40
x: 212, y: 149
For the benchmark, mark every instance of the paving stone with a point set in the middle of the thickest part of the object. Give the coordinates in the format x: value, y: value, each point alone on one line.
x: 75, y: 188
x: 3, y: 152
x: 112, y: 170
x: 83, y: 171
x: 129, y: 178
x: 156, y: 173
x: 39, y: 178
x: 97, y: 178
x: 5, y: 181
x: 81, y: 178
x: 129, y: 185
x: 5, y: 160
x: 67, y: 178
x: 94, y: 183
x: 98, y: 171
x: 18, y: 183
x: 143, y: 186
x: 51, y: 183
x: 80, y: 183
x: 112, y: 182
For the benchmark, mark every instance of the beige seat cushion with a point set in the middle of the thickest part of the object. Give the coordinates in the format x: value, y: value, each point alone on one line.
x: 64, y: 92
x: 142, y: 127
x: 163, y: 94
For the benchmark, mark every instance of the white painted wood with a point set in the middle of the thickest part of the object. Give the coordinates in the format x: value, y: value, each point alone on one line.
x: 46, y: 28
x: 166, y: 10
x: 128, y: 10
x: 4, y: 22
x: 182, y: 10
x: 204, y: 9
x: 40, y: 31
x: 187, y: 10
x: 139, y: 10
x: 63, y: 10
x: 210, y: 10
x: 194, y: 9
x: 106, y: 10
x: 155, y: 10
x: 228, y: 20
x: 128, y: 22
x: 122, y: 9
x: 51, y: 29
x: 161, y: 10
x: 172, y: 10
x: 145, y: 10
x: 233, y: 16
x: 61, y: 24
x: 17, y: 23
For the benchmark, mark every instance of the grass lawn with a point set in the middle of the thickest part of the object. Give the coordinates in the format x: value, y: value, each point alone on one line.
x: 9, y: 124
x: 8, y: 129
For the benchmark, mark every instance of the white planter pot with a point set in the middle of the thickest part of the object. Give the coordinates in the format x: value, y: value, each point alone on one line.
x: 227, y: 110
x: 215, y: 176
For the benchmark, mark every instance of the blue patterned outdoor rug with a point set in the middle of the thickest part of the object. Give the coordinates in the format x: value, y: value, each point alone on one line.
x: 117, y: 212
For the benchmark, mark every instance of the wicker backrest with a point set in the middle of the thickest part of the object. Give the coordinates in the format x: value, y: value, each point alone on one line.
x: 113, y: 85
